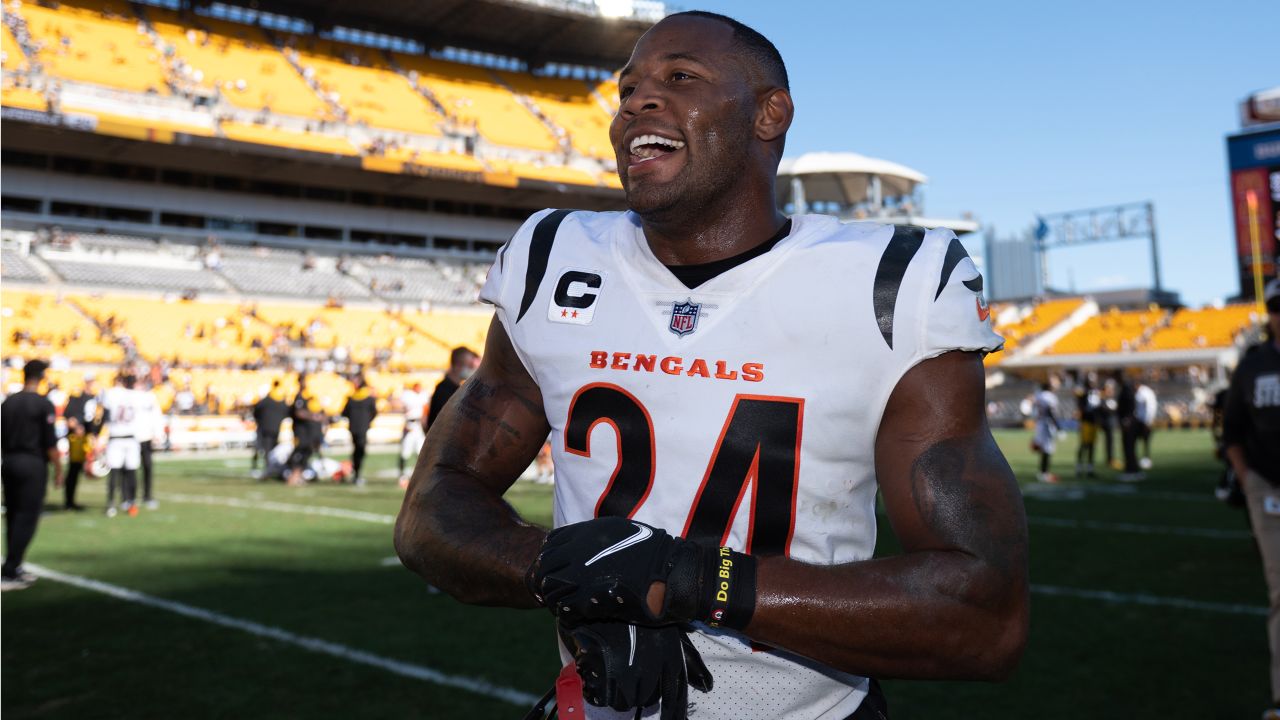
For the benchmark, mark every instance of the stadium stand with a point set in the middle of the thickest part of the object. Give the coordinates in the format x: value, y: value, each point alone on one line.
x: 203, y: 333
x: 473, y: 99
x: 1112, y: 331
x: 15, y: 266
x: 570, y: 106
x: 237, y: 62
x: 1029, y: 324
x: 126, y: 274
x: 43, y: 324
x: 1205, y: 327
x: 268, y: 87
x: 291, y: 277
x: 310, y: 141
x: 96, y: 43
x: 369, y: 92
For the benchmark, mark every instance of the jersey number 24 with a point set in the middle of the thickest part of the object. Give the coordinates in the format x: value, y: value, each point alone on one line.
x: 759, y: 447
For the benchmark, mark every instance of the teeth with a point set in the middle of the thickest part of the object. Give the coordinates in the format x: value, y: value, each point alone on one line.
x: 655, y: 140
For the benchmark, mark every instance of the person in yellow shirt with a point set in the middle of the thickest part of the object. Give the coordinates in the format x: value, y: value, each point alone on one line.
x: 80, y: 449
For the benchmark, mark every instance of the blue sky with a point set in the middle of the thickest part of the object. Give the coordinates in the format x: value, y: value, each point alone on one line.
x: 1014, y: 109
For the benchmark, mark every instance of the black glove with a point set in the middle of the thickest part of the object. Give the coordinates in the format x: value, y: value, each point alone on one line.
x: 625, y: 666
x: 602, y: 569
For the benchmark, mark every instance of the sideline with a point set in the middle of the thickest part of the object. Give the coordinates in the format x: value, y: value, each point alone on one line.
x: 1038, y: 589
x: 1153, y: 600
x: 313, y: 644
x: 273, y: 506
x: 1214, y: 533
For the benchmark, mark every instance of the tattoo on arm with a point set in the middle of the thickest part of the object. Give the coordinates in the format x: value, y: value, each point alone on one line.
x: 963, y: 511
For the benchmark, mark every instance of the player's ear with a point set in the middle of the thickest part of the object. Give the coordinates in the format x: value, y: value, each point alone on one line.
x: 774, y: 114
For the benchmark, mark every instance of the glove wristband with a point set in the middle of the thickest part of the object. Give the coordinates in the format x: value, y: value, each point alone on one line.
x: 729, y: 588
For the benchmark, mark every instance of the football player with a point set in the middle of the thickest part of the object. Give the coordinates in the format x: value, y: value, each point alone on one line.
x: 124, y: 410
x: 725, y: 390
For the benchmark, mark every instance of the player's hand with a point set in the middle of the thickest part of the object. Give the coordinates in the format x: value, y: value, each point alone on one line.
x: 604, y: 569
x: 625, y: 666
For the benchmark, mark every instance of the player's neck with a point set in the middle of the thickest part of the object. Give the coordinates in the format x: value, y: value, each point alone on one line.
x: 732, y: 226
x: 31, y: 386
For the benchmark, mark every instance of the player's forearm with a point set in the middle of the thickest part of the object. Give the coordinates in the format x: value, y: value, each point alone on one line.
x: 465, y: 540
x: 922, y: 615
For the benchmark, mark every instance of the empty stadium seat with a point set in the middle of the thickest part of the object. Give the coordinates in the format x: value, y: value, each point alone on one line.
x: 14, y: 266
x: 371, y: 93
x: 240, y: 62
x: 42, y: 325
x: 141, y: 277
x: 268, y: 278
x: 472, y: 96
x: 1112, y: 331
x: 1206, y: 327
x: 312, y: 142
x: 99, y: 43
x: 570, y: 105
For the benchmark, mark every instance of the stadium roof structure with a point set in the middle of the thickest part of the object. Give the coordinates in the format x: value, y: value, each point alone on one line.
x: 576, y: 32
x: 845, y: 178
x: 856, y: 186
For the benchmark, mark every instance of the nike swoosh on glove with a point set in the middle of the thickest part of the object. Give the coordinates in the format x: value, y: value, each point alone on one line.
x: 602, y: 569
x: 625, y: 666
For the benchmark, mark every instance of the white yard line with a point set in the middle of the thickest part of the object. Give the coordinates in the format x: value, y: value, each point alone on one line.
x: 1139, y: 529
x: 1145, y: 599
x: 316, y: 645
x: 1103, y: 595
x: 273, y: 506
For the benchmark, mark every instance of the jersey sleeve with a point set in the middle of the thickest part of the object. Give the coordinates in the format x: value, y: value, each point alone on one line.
x: 955, y: 316
x: 503, y: 285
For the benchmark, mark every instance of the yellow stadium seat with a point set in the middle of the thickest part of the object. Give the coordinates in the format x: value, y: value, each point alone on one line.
x: 103, y: 46
x: 240, y: 62
x: 372, y: 94
x: 1112, y: 331
x: 570, y: 105
x: 471, y: 95
x: 262, y: 135
x: 11, y: 52
x: 41, y: 325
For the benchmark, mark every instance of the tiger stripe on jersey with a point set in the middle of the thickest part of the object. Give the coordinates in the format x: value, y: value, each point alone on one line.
x: 544, y: 236
x: 902, y: 248
x: 955, y: 253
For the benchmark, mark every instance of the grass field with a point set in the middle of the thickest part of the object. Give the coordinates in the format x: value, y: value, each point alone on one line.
x: 1148, y: 603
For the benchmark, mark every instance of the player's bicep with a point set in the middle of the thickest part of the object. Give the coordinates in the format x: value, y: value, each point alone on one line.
x: 946, y: 485
x: 494, y: 425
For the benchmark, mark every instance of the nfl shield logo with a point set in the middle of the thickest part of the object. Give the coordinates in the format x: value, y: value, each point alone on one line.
x: 684, y: 317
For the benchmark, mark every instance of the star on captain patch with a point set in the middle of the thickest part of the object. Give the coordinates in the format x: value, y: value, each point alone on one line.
x: 684, y: 317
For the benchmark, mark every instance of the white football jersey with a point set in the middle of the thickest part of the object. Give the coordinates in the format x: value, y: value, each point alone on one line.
x: 151, y: 422
x: 414, y: 403
x: 126, y: 412
x: 742, y: 412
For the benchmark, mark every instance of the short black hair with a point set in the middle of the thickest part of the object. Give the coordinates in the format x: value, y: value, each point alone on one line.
x: 755, y: 45
x: 34, y: 369
x: 460, y: 353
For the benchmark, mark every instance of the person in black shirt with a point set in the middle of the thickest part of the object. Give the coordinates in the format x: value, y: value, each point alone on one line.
x: 1088, y: 402
x: 268, y: 414
x: 28, y: 444
x: 1251, y: 441
x: 1127, y: 414
x: 462, y: 364
x: 83, y: 423
x: 360, y: 410
x: 308, y: 431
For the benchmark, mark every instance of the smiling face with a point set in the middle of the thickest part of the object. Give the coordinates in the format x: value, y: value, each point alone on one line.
x: 684, y: 133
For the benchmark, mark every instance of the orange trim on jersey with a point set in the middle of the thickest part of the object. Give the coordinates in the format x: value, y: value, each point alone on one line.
x: 617, y: 434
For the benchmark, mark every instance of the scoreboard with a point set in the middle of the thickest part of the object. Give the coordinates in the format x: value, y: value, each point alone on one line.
x: 1254, y: 159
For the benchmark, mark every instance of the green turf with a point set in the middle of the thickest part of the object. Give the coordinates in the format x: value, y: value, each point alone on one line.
x: 74, y: 653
